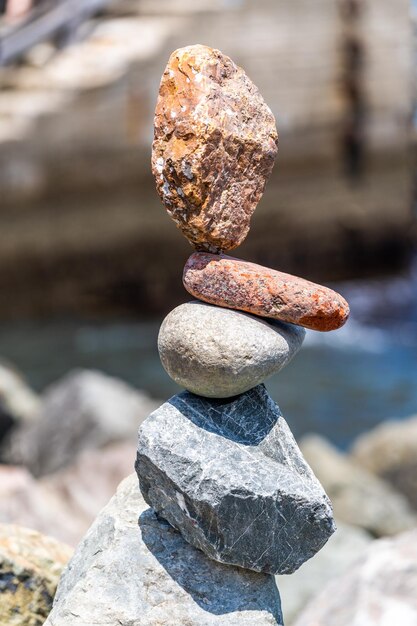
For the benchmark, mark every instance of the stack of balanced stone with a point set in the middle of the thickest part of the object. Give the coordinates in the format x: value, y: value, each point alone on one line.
x: 218, y: 461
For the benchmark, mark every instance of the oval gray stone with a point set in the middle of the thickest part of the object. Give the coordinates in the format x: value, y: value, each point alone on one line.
x: 219, y: 353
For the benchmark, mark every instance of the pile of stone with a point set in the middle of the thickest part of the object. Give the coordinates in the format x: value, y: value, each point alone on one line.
x: 218, y: 461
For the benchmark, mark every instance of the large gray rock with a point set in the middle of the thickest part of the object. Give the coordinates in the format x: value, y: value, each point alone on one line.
x: 132, y: 569
x: 84, y: 410
x: 390, y: 451
x: 340, y: 552
x: 358, y: 497
x: 378, y: 590
x: 229, y: 475
x: 218, y: 353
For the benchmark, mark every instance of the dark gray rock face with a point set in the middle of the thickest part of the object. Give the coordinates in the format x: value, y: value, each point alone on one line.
x: 132, y: 569
x: 229, y: 475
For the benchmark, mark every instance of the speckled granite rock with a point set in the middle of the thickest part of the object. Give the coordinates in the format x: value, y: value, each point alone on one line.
x: 30, y: 567
x: 215, y: 352
x: 132, y: 569
x: 214, y: 148
x: 229, y: 475
x: 236, y: 284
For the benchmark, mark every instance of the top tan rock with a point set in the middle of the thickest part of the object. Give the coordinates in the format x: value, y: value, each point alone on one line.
x: 214, y: 147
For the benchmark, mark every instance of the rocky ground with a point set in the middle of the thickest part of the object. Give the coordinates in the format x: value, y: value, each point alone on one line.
x: 64, y: 452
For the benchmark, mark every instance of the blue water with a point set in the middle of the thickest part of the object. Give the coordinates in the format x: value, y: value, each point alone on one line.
x: 340, y: 384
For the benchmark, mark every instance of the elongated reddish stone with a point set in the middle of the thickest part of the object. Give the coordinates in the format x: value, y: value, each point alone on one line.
x: 236, y: 284
x: 215, y: 144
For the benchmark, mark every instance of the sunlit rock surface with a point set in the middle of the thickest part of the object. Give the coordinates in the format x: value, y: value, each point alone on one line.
x: 133, y: 569
x: 229, y: 475
x: 214, y: 148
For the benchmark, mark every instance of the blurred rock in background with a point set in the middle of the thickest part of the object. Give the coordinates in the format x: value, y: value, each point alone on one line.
x: 64, y: 504
x: 30, y: 567
x: 84, y: 410
x: 390, y: 451
x: 18, y: 403
x: 358, y: 497
x: 378, y: 589
x: 79, y: 216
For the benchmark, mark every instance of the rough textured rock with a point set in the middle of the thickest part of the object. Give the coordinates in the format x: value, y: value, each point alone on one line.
x: 358, y: 497
x: 229, y: 475
x: 132, y: 569
x: 84, y: 410
x: 345, y: 547
x: 237, y: 284
x: 219, y: 353
x: 64, y: 504
x: 390, y: 451
x: 214, y: 147
x: 30, y: 567
x: 379, y: 590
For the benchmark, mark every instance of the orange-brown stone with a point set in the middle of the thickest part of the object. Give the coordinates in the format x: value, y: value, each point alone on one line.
x: 214, y: 147
x: 236, y: 284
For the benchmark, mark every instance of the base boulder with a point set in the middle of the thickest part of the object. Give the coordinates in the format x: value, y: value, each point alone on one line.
x: 133, y: 569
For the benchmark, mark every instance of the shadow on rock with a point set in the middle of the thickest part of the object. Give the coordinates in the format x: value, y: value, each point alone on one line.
x: 216, y: 588
x: 237, y: 418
